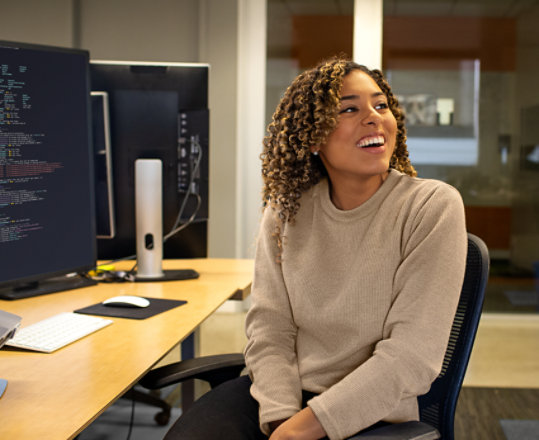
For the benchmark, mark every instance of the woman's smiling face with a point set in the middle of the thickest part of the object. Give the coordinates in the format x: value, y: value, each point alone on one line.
x: 364, y: 139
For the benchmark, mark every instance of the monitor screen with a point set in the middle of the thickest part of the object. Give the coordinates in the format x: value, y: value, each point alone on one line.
x: 47, y: 219
x: 156, y: 111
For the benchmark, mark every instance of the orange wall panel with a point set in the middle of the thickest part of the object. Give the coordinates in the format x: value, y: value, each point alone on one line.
x: 491, y: 223
x: 317, y: 37
x: 441, y: 42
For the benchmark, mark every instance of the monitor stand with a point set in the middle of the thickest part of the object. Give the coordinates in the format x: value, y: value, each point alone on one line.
x: 48, y: 285
x: 149, y: 224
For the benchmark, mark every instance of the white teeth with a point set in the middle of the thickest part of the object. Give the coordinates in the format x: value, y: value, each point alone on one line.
x: 375, y: 140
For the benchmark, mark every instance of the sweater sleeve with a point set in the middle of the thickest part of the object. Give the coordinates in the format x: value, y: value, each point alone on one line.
x: 426, y: 290
x: 270, y: 351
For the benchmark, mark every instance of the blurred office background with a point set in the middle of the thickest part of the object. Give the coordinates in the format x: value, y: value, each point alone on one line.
x: 467, y: 73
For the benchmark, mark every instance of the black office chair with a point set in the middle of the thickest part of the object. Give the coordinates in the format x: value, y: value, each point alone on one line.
x: 437, y: 407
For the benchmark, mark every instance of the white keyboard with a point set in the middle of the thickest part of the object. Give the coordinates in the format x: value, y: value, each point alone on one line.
x: 56, y: 332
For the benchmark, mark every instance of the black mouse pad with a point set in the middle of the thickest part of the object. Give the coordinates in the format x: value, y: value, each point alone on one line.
x: 157, y: 305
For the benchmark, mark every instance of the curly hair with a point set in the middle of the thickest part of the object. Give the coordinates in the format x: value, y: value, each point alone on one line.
x: 305, y: 117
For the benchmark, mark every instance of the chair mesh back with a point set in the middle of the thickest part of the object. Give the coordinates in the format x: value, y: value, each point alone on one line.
x: 437, y: 407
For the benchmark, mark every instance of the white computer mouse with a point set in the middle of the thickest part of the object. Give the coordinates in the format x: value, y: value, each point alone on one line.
x: 126, y: 301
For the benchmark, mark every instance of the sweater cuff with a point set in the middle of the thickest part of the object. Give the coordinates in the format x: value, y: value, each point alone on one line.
x: 272, y: 416
x: 332, y: 430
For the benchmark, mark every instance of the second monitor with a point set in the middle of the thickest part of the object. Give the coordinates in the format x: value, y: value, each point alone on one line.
x: 157, y: 111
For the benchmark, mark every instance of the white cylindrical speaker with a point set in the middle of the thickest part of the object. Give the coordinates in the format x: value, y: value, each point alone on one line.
x: 149, y: 217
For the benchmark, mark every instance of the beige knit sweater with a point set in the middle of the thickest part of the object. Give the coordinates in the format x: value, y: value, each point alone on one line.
x: 360, y: 309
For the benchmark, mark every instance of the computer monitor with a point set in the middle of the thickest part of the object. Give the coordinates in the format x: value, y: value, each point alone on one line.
x: 104, y: 189
x: 157, y: 111
x: 47, y: 226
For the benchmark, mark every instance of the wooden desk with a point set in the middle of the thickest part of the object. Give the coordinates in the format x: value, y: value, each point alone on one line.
x: 57, y: 395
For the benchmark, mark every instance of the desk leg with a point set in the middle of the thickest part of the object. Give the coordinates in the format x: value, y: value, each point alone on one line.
x: 188, y: 387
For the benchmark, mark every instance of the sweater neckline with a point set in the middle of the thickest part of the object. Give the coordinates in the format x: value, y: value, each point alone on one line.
x: 365, y: 208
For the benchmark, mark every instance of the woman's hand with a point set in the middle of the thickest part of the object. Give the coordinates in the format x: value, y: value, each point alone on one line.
x: 302, y: 426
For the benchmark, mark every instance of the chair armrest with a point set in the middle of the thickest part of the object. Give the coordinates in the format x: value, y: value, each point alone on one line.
x: 213, y: 369
x: 401, y: 431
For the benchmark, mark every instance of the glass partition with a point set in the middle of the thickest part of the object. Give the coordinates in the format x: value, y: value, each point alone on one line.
x: 466, y: 73
x: 300, y: 34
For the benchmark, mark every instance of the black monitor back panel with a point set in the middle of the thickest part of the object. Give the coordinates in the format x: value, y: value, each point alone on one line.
x: 157, y: 112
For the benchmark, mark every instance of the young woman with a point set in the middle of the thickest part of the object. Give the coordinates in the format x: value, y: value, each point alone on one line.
x: 358, y: 270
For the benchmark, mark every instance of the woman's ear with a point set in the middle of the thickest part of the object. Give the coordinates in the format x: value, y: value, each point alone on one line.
x: 315, y: 149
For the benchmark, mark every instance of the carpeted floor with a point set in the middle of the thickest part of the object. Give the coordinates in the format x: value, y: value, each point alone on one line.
x: 520, y: 429
x: 114, y: 423
x: 497, y: 414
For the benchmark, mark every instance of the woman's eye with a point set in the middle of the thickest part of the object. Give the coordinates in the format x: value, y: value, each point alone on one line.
x: 382, y: 105
x: 348, y: 110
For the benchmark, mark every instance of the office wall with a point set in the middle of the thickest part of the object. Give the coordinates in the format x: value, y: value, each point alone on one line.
x: 37, y: 21
x: 218, y: 47
x: 156, y: 30
x: 251, y: 80
x: 140, y: 30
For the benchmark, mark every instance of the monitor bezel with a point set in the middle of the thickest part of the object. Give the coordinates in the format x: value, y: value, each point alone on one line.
x: 104, y: 96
